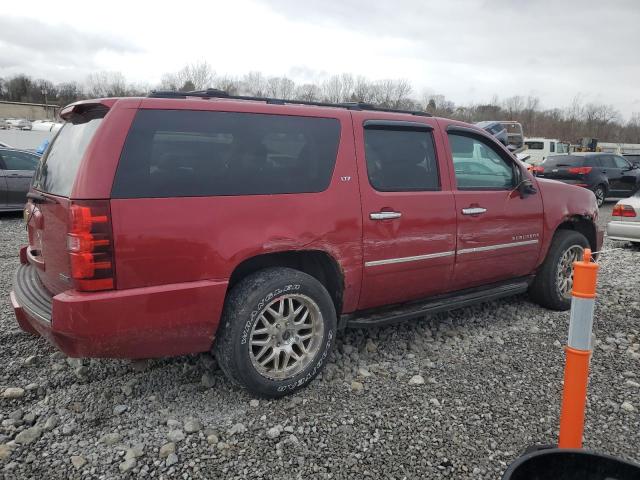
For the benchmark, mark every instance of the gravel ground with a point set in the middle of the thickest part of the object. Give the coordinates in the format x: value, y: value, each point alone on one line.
x: 458, y: 395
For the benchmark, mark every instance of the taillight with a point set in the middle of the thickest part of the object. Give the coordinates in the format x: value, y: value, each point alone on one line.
x: 621, y: 210
x: 90, y: 245
x: 537, y: 169
x: 580, y: 170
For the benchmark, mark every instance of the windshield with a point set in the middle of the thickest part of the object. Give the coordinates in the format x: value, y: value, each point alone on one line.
x: 58, y: 167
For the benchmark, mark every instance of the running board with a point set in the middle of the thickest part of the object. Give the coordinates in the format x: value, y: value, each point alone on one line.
x: 442, y: 303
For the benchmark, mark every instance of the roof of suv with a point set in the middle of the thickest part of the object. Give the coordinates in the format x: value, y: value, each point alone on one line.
x: 219, y: 94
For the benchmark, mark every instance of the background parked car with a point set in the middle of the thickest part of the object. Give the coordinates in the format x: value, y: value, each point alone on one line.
x: 45, y: 126
x: 16, y: 171
x: 605, y: 174
x: 625, y: 220
x: 19, y: 123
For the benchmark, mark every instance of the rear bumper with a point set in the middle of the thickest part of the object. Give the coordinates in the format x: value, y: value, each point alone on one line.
x: 626, y: 231
x: 143, y: 322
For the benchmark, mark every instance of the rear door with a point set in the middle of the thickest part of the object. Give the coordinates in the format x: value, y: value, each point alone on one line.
x: 18, y: 168
x: 499, y: 231
x: 48, y: 208
x: 408, y: 211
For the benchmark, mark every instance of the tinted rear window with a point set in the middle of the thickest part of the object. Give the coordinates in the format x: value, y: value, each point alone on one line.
x: 183, y: 153
x: 534, y: 145
x: 564, y: 161
x: 58, y: 167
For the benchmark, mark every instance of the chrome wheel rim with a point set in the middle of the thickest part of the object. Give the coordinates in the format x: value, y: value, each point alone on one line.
x: 286, y: 336
x: 564, y: 277
x: 599, y: 196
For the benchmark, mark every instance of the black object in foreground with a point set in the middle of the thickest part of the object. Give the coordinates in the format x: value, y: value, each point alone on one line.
x: 569, y: 464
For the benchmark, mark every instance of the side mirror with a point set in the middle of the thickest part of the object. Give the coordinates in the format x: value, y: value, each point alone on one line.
x: 526, y: 188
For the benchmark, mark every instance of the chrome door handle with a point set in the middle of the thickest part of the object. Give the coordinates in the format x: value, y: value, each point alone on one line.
x: 473, y: 211
x: 384, y: 215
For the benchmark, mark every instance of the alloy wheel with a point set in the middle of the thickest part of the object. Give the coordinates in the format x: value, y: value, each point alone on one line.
x: 286, y: 336
x: 564, y: 274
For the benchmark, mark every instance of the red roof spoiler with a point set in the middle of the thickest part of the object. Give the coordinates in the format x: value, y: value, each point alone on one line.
x: 84, y: 105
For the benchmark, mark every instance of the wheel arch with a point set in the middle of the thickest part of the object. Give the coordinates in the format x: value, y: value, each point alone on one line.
x: 582, y: 224
x: 317, y: 263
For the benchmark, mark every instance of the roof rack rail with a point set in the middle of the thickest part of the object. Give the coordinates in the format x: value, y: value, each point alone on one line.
x: 215, y: 93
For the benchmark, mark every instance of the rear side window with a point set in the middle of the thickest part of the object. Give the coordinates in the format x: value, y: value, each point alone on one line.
x: 534, y: 145
x: 401, y: 160
x: 184, y: 153
x: 58, y: 167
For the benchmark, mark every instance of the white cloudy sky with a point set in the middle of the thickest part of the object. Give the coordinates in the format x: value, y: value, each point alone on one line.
x: 468, y: 50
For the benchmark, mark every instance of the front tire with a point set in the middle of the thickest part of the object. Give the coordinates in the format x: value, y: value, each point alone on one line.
x: 553, y: 283
x: 277, y: 330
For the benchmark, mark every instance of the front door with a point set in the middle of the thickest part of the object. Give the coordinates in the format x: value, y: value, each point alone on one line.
x: 18, y: 168
x: 408, y: 210
x: 628, y: 176
x: 499, y: 232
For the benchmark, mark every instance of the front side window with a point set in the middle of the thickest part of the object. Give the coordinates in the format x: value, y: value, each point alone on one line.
x: 400, y: 160
x: 621, y: 163
x: 184, y: 153
x: 478, y: 166
x: 18, y: 160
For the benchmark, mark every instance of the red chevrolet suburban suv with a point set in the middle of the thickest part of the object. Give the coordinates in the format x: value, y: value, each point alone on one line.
x: 185, y: 222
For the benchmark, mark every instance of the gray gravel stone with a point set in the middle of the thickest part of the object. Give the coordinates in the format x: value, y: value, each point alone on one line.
x: 111, y: 438
x: 127, y: 465
x: 167, y: 449
x: 172, y: 459
x: 274, y: 432
x: 13, y: 392
x: 78, y: 461
x: 192, y: 425
x: 175, y: 435
x: 30, y: 435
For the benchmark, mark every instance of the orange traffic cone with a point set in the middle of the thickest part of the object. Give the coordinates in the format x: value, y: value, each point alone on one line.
x: 578, y: 351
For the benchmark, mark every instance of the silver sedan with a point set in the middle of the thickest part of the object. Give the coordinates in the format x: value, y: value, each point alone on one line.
x: 625, y: 223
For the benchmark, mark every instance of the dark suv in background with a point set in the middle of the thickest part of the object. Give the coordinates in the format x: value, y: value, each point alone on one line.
x: 605, y: 174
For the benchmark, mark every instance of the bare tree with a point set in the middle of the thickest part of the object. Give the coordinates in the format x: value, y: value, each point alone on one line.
x: 254, y: 83
x: 308, y: 92
x: 513, y: 105
x: 280, y: 87
x: 193, y: 76
x: 106, y: 84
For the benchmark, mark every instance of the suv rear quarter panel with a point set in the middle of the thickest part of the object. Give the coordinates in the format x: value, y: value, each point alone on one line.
x: 187, y: 239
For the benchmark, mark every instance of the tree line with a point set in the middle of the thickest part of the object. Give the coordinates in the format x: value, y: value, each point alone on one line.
x: 579, y: 119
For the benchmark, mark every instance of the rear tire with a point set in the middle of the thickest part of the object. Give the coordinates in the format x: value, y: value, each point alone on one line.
x: 552, y: 286
x: 601, y: 193
x: 276, y: 332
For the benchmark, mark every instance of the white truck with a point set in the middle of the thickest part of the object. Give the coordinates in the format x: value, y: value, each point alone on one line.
x: 537, y: 149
